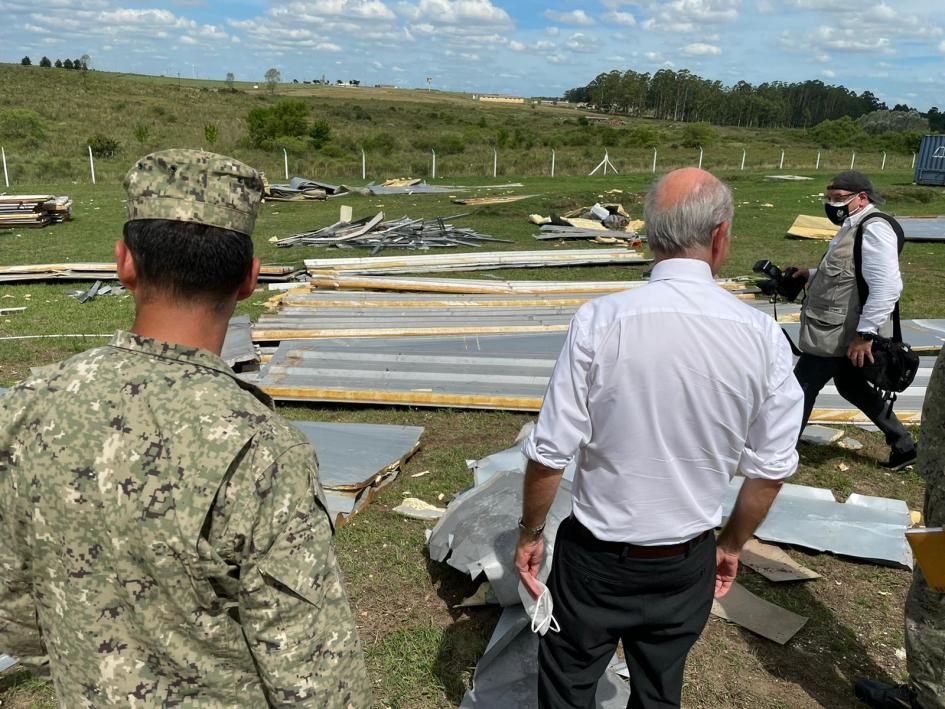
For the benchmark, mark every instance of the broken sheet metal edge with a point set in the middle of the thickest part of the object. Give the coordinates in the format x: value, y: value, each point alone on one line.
x: 6, y: 662
x: 238, y: 344
x: 813, y: 519
x: 506, y: 676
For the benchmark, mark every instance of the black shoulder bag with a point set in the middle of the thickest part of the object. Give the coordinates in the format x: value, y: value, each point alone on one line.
x: 894, y: 363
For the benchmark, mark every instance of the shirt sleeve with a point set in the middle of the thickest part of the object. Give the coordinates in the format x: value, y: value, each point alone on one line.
x: 771, y: 446
x: 563, y: 423
x: 20, y: 635
x: 293, y: 608
x: 881, y: 272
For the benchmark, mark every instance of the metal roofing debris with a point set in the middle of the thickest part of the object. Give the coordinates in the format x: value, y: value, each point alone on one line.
x: 416, y: 508
x: 405, y: 233
x: 550, y: 232
x: 356, y: 460
x: 300, y: 189
x: 821, y: 434
x: 507, y: 674
x: 33, y: 210
x: 10, y: 311
x: 790, y: 178
x: 6, y: 662
x: 744, y: 608
x: 915, y: 228
x: 439, y: 263
x: 774, y: 563
x: 862, y: 527
x: 238, y: 350
x: 416, y: 186
x: 479, y: 531
x: 483, y: 201
x: 103, y: 271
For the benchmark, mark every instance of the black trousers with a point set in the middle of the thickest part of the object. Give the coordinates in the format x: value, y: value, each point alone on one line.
x: 658, y: 607
x: 814, y: 372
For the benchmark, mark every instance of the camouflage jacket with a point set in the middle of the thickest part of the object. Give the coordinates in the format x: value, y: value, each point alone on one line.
x: 165, y: 538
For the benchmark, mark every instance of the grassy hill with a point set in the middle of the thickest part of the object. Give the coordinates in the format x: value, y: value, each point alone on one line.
x: 47, y: 117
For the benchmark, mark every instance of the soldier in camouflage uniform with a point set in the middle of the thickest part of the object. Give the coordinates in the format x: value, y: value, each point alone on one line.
x: 925, y: 609
x: 165, y: 537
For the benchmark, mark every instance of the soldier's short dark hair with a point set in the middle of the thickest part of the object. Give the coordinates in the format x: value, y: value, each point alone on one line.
x: 188, y: 261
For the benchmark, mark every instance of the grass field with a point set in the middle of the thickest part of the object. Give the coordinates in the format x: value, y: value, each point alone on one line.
x: 421, y: 651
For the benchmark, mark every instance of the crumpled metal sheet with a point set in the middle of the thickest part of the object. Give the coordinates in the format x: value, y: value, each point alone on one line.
x: 507, y: 674
x: 6, y: 662
x: 238, y: 348
x: 869, y: 528
x: 479, y: 532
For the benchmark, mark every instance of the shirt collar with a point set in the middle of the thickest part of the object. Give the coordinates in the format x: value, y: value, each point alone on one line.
x: 183, y: 354
x: 682, y: 269
x: 858, y: 217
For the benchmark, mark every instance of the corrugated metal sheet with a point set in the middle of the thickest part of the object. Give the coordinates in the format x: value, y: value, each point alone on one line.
x: 923, y: 228
x: 488, y: 372
x: 439, y: 263
x: 930, y: 164
x: 238, y: 350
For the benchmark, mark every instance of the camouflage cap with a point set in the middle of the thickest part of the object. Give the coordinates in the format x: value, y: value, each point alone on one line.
x: 194, y: 186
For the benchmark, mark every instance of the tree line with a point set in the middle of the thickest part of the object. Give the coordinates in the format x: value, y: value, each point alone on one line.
x: 684, y: 96
x: 79, y: 64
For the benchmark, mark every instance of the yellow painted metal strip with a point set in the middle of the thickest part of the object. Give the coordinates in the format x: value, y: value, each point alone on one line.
x: 855, y: 416
x: 269, y: 335
x: 445, y: 303
x: 407, y: 398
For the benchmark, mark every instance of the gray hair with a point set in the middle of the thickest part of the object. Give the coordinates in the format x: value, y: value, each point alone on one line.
x: 687, y: 223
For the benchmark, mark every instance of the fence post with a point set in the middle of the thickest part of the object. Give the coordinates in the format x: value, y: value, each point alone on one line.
x: 434, y: 163
x: 363, y: 165
x: 285, y: 155
x: 654, y: 161
x: 6, y: 177
x: 700, y: 157
x: 852, y: 159
x: 495, y: 162
x: 781, y: 164
x: 817, y: 166
x: 91, y: 165
x: 552, y: 162
x: 744, y: 155
x: 913, y: 162
x: 883, y: 166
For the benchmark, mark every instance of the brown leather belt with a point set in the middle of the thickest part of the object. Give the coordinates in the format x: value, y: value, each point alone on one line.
x: 637, y: 551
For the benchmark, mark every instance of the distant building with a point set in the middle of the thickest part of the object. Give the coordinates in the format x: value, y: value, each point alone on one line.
x: 384, y: 86
x: 495, y: 98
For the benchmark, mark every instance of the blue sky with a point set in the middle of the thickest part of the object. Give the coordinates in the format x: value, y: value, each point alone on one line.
x: 895, y: 48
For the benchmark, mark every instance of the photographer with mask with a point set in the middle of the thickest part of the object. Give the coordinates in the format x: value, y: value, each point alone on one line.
x: 837, y: 327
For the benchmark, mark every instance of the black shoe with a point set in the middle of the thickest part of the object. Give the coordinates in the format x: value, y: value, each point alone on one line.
x: 900, y: 459
x: 885, y: 696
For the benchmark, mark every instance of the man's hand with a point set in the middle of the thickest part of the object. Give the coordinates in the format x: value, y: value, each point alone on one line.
x: 528, y: 556
x: 860, y: 351
x: 726, y: 567
x: 802, y: 273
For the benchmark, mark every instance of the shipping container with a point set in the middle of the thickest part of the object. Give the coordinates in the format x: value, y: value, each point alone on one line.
x: 930, y: 167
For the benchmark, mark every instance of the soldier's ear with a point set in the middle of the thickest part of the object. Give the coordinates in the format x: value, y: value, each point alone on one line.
x: 248, y: 286
x: 127, y: 273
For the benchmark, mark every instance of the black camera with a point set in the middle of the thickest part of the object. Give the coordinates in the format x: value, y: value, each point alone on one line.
x: 782, y: 283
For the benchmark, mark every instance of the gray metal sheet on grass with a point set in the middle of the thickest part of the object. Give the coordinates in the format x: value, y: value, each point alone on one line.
x: 238, y: 346
x: 479, y: 532
x: 812, y: 518
x: 923, y: 228
x: 6, y: 662
x: 507, y: 674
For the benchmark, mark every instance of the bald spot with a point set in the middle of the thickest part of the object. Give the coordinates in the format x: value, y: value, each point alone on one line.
x: 680, y: 185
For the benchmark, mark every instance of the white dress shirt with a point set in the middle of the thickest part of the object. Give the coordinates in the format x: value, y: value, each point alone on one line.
x: 880, y: 268
x: 662, y: 392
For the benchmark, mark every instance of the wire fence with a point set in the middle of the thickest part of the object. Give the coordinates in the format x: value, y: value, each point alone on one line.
x: 485, y: 161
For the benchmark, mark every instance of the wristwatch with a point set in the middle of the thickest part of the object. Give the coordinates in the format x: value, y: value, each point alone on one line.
x: 868, y: 336
x: 532, y: 532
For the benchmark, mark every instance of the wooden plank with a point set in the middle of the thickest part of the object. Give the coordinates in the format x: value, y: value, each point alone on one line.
x: 774, y: 563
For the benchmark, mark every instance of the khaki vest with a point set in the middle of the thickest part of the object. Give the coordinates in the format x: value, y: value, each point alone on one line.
x: 831, y: 310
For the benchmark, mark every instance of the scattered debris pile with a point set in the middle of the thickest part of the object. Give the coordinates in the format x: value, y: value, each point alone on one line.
x: 33, y: 210
x: 300, y: 189
x: 822, y: 229
x: 603, y: 223
x: 404, y: 233
x: 96, y: 289
x: 106, y: 271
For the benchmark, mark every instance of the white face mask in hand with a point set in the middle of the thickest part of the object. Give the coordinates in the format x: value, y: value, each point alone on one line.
x: 539, y: 610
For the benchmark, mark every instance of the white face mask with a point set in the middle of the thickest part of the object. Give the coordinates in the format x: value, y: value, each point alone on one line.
x: 539, y: 610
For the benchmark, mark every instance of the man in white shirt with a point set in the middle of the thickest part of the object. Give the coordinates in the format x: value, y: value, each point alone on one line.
x: 838, y: 325
x: 662, y: 393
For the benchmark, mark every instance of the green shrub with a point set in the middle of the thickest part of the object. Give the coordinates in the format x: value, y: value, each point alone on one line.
x: 357, y: 110
x: 609, y: 137
x: 643, y: 137
x: 383, y: 143
x: 211, y: 132
x: 842, y: 132
x: 142, y: 133
x: 291, y: 143
x: 21, y: 125
x: 893, y: 121
x: 103, y: 146
x: 698, y: 135
x: 450, y: 144
x: 286, y: 118
x: 319, y: 134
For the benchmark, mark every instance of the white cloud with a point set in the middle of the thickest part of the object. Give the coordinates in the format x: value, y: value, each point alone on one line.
x: 941, y: 46
x: 557, y: 58
x: 580, y: 42
x: 688, y: 16
x: 552, y: 31
x: 516, y: 46
x: 653, y: 57
x: 455, y: 12
x: 699, y: 49
x: 625, y: 19
x: 575, y: 17
x: 829, y: 73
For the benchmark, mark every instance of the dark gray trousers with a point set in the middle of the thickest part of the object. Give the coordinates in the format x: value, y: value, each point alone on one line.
x: 814, y: 372
x: 658, y: 607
